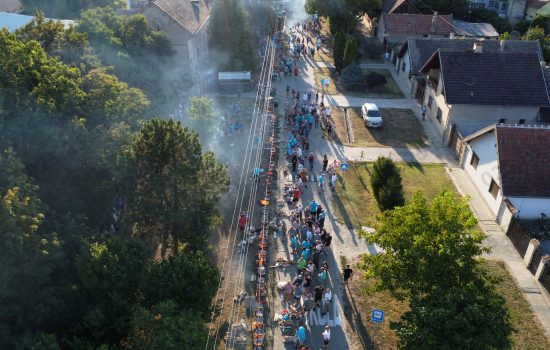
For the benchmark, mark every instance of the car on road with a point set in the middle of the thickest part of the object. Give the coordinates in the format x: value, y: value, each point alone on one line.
x: 371, y: 115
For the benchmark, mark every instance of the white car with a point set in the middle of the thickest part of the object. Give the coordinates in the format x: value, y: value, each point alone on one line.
x: 371, y: 115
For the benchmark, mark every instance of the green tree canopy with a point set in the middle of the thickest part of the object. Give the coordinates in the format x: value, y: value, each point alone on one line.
x: 425, y: 246
x: 176, y: 186
x: 350, y: 53
x: 386, y: 183
x: 471, y: 317
x: 230, y: 37
x: 338, y: 49
x: 202, y: 114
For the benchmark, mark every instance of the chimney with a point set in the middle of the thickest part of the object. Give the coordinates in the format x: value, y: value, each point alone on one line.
x: 478, y: 46
x: 434, y: 21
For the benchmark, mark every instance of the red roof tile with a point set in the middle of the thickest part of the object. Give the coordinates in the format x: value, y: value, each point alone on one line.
x: 524, y: 160
x: 406, y: 23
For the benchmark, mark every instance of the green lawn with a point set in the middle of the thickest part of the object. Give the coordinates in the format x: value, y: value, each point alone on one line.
x: 529, y: 333
x: 400, y: 129
x: 354, y: 203
x: 388, y: 90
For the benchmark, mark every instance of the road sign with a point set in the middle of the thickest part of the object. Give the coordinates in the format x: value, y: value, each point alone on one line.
x: 377, y: 316
x: 344, y: 166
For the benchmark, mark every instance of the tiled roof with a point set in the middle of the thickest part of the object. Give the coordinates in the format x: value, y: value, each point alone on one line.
x: 388, y: 6
x: 480, y: 30
x: 190, y: 14
x: 537, y: 4
x: 406, y: 23
x: 524, y: 160
x: 490, y: 78
x: 421, y: 49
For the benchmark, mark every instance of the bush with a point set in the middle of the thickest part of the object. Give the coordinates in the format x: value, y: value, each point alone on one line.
x: 375, y: 80
x: 351, y: 78
x: 350, y: 53
x: 338, y: 48
x: 386, y: 184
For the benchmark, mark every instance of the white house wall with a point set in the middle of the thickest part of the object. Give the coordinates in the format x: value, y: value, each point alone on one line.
x: 487, y: 169
x: 531, y: 208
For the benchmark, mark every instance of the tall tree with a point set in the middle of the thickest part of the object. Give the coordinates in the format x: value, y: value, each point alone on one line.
x: 202, y: 114
x: 386, y: 183
x: 230, y: 36
x: 176, y: 186
x: 350, y: 53
x: 338, y: 48
x: 425, y: 246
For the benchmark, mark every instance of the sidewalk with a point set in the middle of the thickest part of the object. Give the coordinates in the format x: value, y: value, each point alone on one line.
x: 502, y: 248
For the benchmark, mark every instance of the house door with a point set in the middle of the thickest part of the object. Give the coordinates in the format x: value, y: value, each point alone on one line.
x: 420, y: 88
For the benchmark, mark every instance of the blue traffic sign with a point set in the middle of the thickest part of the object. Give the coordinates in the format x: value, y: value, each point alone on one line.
x: 344, y: 166
x: 377, y: 316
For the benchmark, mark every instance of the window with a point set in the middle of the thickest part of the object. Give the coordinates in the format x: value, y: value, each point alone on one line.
x: 502, y: 120
x: 492, y: 3
x: 494, y: 188
x: 521, y: 121
x: 474, y: 161
x: 439, y: 114
x: 403, y: 67
x: 503, y: 6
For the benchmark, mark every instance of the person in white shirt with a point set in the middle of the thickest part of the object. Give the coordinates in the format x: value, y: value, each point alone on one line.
x: 327, y: 298
x: 328, y: 111
x: 326, y: 336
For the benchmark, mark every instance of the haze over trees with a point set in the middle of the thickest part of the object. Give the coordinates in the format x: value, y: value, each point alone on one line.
x: 88, y: 190
x: 67, y: 9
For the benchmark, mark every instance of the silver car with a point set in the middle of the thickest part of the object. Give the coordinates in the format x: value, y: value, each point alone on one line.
x: 371, y: 115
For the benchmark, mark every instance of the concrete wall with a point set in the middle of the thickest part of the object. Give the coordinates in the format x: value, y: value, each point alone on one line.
x: 178, y: 35
x: 399, y: 67
x: 487, y: 169
x: 530, y: 208
x: 504, y: 216
x: 516, y: 10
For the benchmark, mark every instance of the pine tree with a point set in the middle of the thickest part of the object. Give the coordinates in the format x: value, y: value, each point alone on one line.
x: 339, y: 46
x: 350, y: 53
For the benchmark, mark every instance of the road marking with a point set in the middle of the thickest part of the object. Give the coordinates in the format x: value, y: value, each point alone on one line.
x: 316, y: 319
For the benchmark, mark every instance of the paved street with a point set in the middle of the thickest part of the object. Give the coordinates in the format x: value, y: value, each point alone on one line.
x: 347, y: 243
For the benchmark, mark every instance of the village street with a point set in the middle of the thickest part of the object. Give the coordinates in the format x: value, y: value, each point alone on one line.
x: 347, y: 243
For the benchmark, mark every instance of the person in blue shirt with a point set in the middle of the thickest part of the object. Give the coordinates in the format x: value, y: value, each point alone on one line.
x: 305, y: 244
x: 305, y: 253
x: 313, y: 208
x: 301, y: 335
x: 294, y: 242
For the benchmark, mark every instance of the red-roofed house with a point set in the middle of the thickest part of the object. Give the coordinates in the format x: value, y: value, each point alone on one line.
x: 510, y: 166
x: 395, y: 28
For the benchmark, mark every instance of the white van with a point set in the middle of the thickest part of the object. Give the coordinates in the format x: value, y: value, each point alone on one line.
x: 371, y: 115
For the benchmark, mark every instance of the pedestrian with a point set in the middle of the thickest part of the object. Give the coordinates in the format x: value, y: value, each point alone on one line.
x: 323, y: 276
x: 322, y: 218
x: 301, y: 264
x: 313, y: 208
x: 319, y: 210
x: 321, y: 183
x: 311, y: 159
x: 295, y: 72
x: 318, y: 293
x: 329, y: 129
x: 301, y: 335
x: 316, y: 97
x: 423, y: 112
x: 287, y: 91
x: 327, y: 299
x: 307, y: 282
x: 326, y: 336
x: 333, y: 179
x: 347, y: 273
x: 325, y: 163
x: 328, y: 240
x: 296, y: 194
x: 308, y: 303
x: 298, y: 293
x: 387, y: 56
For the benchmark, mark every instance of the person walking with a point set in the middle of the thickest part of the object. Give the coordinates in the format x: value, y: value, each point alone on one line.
x: 295, y: 72
x: 301, y: 335
x: 326, y: 336
x: 308, y: 304
x: 327, y: 299
x: 347, y: 273
x: 311, y: 159
x: 321, y: 183
x: 325, y: 163
x: 313, y: 209
x: 318, y: 295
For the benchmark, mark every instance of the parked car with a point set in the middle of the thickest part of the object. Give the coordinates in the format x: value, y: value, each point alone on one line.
x: 371, y: 115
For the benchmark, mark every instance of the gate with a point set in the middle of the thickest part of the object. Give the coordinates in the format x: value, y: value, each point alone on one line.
x: 519, y: 237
